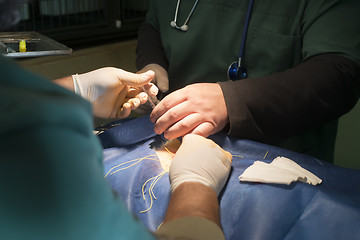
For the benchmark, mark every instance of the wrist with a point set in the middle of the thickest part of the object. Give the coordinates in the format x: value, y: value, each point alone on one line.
x: 75, y: 79
x: 176, y: 182
x: 66, y: 82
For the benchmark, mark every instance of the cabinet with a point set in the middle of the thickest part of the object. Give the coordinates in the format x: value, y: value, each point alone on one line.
x: 79, y: 22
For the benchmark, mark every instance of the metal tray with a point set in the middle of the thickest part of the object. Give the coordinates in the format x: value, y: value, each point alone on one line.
x: 36, y: 45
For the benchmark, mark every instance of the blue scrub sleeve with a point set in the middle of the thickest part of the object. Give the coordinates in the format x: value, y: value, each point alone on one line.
x: 51, y: 180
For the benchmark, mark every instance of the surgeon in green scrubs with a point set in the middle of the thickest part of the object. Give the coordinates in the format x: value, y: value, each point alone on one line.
x: 302, y: 60
x: 51, y: 176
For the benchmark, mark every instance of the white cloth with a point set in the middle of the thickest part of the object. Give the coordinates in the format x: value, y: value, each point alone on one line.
x: 280, y: 171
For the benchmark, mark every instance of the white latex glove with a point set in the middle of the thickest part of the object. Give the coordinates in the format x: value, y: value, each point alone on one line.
x: 161, y: 79
x: 114, y: 92
x: 200, y: 160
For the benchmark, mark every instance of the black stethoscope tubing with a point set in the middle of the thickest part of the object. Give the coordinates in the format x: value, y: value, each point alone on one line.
x: 236, y: 70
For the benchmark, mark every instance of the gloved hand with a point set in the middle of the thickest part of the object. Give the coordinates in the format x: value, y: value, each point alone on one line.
x: 114, y: 92
x: 161, y: 80
x: 200, y: 160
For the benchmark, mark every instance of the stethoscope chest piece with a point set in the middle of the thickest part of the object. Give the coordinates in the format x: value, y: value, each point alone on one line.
x: 236, y: 72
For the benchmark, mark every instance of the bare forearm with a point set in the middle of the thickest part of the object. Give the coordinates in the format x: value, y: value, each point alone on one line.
x: 66, y: 82
x: 192, y: 199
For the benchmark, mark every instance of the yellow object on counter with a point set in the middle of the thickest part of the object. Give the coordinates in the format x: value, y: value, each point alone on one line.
x: 22, y: 46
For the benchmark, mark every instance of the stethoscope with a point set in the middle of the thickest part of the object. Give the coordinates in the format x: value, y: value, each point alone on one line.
x: 236, y: 70
x: 184, y: 27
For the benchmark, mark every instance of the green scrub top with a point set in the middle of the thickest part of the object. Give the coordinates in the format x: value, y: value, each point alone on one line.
x: 281, y: 35
x: 51, y: 178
